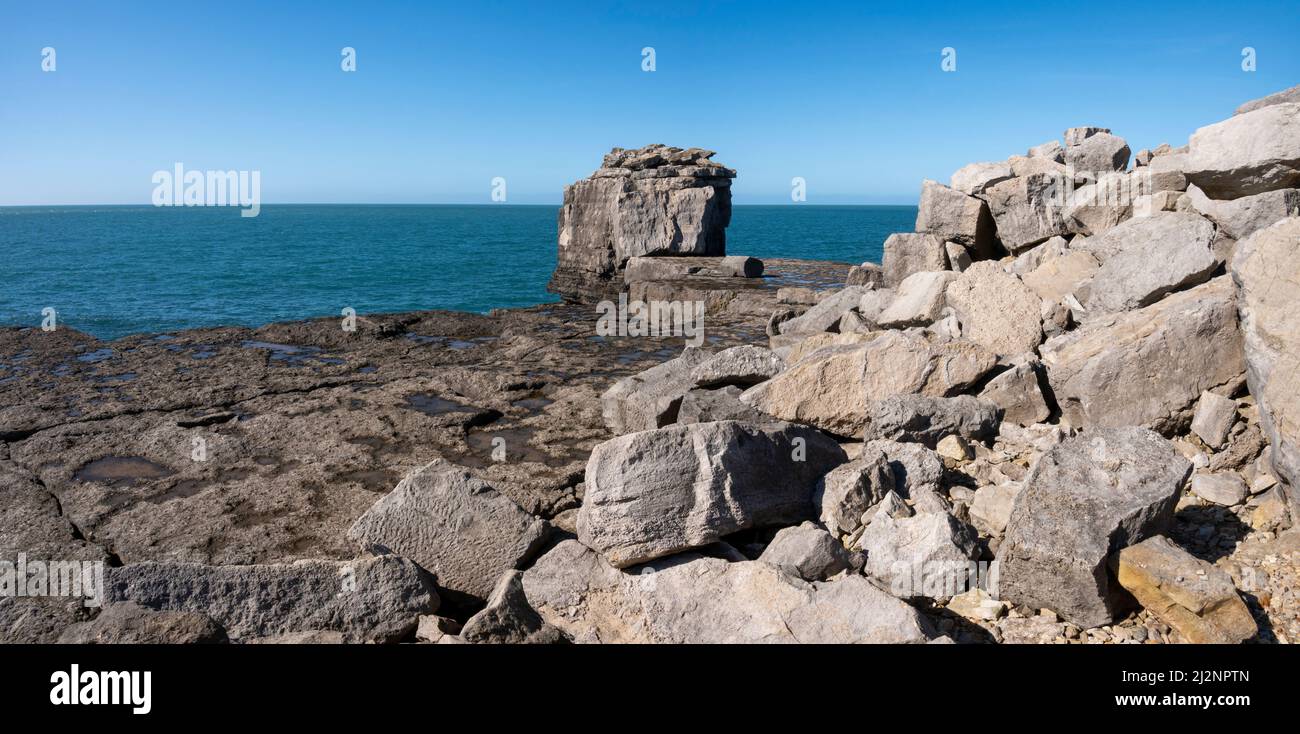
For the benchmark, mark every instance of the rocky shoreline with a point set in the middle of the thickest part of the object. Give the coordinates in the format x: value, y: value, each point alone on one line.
x: 1061, y: 411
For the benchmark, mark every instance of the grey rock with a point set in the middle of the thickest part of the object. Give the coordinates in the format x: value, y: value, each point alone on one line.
x: 953, y: 216
x: 915, y: 466
x: 650, y: 399
x: 991, y: 510
x: 926, y: 555
x: 1146, y: 258
x: 1051, y: 150
x: 1018, y: 395
x: 958, y: 256
x: 366, y: 600
x: 453, y: 525
x: 1247, y: 154
x: 671, y: 268
x: 433, y: 628
x: 1227, y: 488
x: 807, y: 552
x: 1240, y: 218
x: 1147, y: 367
x: 127, y: 623
x: 1266, y: 270
x: 723, y: 404
x: 851, y: 489
x: 1286, y: 96
x: 744, y: 365
x: 826, y: 314
x: 1098, y: 153
x: 918, y: 300
x: 1028, y: 209
x: 1076, y: 135
x: 976, y: 178
x: 1214, y: 418
x: 1097, y: 207
x: 912, y: 253
x: 1035, y: 256
x: 924, y: 419
x: 1085, y: 500
x: 655, y: 493
x: 865, y: 274
x: 996, y: 309
x: 508, y: 619
x: 700, y: 600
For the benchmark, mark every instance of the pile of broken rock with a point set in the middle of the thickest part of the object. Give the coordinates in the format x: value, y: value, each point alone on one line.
x: 1048, y: 416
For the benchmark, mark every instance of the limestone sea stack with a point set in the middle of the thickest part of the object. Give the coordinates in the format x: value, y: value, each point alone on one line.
x: 656, y: 200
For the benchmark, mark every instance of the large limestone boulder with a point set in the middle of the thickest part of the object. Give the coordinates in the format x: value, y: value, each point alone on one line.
x: 128, y: 623
x: 996, y: 309
x: 700, y: 600
x: 851, y: 489
x: 1147, y: 367
x: 1061, y: 276
x: 976, y: 178
x: 807, y: 552
x: 1018, y: 394
x: 454, y: 525
x: 1266, y: 270
x: 655, y: 200
x: 1098, y: 153
x: 925, y: 419
x: 367, y: 600
x: 1194, y: 597
x: 651, y: 398
x: 953, y: 216
x: 1247, y: 154
x: 1098, y: 206
x: 919, y: 300
x: 1028, y: 209
x: 832, y: 388
x: 1240, y: 218
x: 743, y: 365
x: 1285, y: 96
x: 1146, y: 258
x: 654, y: 493
x: 1085, y: 500
x: 907, y: 253
x: 925, y: 555
x: 826, y: 315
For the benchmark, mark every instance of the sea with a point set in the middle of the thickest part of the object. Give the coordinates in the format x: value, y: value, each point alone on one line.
x: 112, y: 271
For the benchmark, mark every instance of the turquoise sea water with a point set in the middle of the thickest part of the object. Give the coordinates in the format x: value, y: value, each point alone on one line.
x: 118, y: 270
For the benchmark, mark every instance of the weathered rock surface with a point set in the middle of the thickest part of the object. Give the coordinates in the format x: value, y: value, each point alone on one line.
x: 366, y: 600
x: 1285, y: 96
x: 925, y: 555
x: 996, y: 309
x: 907, y: 253
x: 650, y: 399
x: 1192, y: 596
x: 851, y: 489
x: 925, y: 419
x: 1087, y: 498
x: 976, y: 178
x: 1147, y: 367
x: 655, y: 200
x: 692, y: 599
x: 1027, y: 210
x: 1100, y: 152
x: 833, y: 388
x: 954, y: 216
x: 1240, y: 218
x: 991, y: 509
x: 722, y: 404
x: 1247, y: 154
x: 508, y: 619
x: 1018, y: 394
x: 1227, y: 489
x: 454, y: 525
x: 1214, y: 418
x: 918, y: 301
x: 127, y: 623
x: 672, y: 268
x: 1061, y: 276
x: 808, y: 552
x: 744, y: 365
x: 1266, y: 269
x: 826, y: 314
x: 916, y: 468
x: 1146, y: 258
x: 655, y: 493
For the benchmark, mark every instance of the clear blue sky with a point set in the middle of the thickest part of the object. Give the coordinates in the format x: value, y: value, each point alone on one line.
x: 447, y: 96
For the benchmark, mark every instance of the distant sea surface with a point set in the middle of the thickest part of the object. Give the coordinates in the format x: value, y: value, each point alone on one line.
x: 117, y: 270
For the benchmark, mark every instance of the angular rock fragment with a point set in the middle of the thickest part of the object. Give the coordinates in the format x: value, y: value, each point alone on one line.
x: 1017, y: 393
x: 996, y: 309
x: 826, y: 314
x: 723, y: 404
x: 851, y: 489
x: 926, y: 555
x: 918, y: 300
x: 991, y: 509
x: 912, y: 253
x: 807, y: 552
x: 1146, y: 258
x: 1227, y: 489
x: 127, y: 623
x: 926, y: 420
x: 1247, y: 154
x: 650, y: 399
x: 1285, y: 96
x: 1028, y: 209
x: 1062, y: 276
x: 1186, y: 593
x: 508, y: 619
x: 955, y: 217
x: 453, y: 525
x: 915, y: 467
x: 655, y: 493
x: 1098, y: 153
x: 976, y: 178
x: 744, y: 365
x: 1086, y: 499
x: 1240, y: 218
x: 1214, y: 418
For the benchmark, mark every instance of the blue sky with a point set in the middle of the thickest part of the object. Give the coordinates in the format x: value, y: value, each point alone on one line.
x: 446, y: 96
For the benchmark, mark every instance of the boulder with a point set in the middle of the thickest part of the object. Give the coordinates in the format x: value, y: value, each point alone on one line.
x: 826, y: 314
x: 851, y: 489
x: 744, y: 365
x: 655, y: 200
x: 996, y: 309
x: 1052, y: 150
x: 1028, y: 209
x: 953, y: 216
x: 958, y: 256
x: 808, y: 552
x: 508, y: 619
x: 454, y: 525
x: 128, y: 623
x: 976, y: 178
x: 833, y: 387
x: 1214, y: 418
x: 912, y: 253
x: 1097, y: 153
x: 1227, y: 489
x: 650, y: 399
x: 918, y: 301
x: 1240, y: 218
x: 924, y: 419
x: 1097, y: 207
x: 1165, y: 173
x: 1146, y: 258
x: 1076, y: 135
x: 925, y: 555
x: 700, y: 600
x: 1291, y: 96
x: 1062, y: 276
x: 1194, y: 597
x: 991, y: 509
x: 723, y: 404
x: 366, y: 600
x: 1030, y: 259
x: 1017, y: 394
x: 639, y: 269
x: 1147, y: 367
x: 1266, y: 270
x: 1087, y: 498
x: 655, y: 493
x: 915, y: 466
x: 1247, y: 154
x: 865, y: 274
